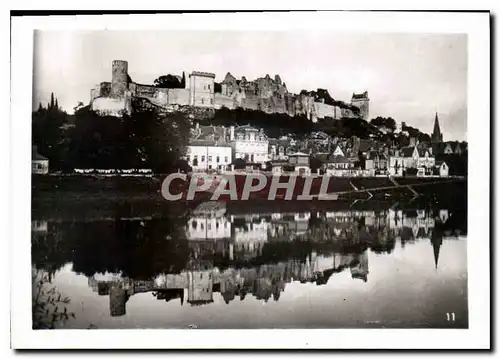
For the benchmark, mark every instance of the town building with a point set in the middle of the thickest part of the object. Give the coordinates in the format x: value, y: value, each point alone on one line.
x: 338, y: 165
x: 208, y: 155
x: 441, y: 169
x: 300, y: 162
x: 249, y: 144
x: 377, y: 161
x: 39, y: 163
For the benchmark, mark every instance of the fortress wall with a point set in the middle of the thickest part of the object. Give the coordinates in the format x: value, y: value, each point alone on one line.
x: 95, y: 92
x: 222, y: 100
x: 324, y: 110
x: 108, y: 106
x: 161, y: 97
x: 251, y: 102
x: 105, y: 89
x: 279, y: 106
x: 178, y: 97
x: 143, y: 90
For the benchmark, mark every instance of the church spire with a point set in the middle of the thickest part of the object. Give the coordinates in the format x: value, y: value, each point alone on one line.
x: 437, y: 136
x: 436, y: 241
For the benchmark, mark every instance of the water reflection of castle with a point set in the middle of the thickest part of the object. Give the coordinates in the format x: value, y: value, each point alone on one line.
x: 199, y: 286
x: 238, y: 238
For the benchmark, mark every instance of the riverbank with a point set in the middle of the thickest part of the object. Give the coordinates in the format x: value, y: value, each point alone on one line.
x: 97, y: 197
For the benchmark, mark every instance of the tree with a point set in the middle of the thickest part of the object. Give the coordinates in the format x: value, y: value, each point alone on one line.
x: 48, y: 134
x: 51, y: 106
x: 146, y: 139
x: 388, y: 122
x: 168, y: 81
x: 183, y: 81
x: 315, y: 163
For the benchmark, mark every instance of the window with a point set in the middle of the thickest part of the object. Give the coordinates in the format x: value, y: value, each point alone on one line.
x: 188, y: 158
x: 226, y: 160
x: 209, y: 87
x: 211, y: 101
x: 209, y: 167
x: 218, y: 159
x: 202, y: 158
x: 202, y: 101
x: 209, y: 158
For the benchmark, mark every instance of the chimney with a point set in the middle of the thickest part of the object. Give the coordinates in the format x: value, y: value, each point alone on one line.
x: 231, y: 133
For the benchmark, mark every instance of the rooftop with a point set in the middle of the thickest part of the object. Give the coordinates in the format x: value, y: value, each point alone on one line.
x: 204, y: 74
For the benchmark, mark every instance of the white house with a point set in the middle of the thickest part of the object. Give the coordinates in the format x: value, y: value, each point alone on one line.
x: 442, y: 168
x: 406, y: 157
x: 425, y: 159
x: 208, y: 155
x: 39, y: 163
x: 250, y: 144
x: 338, y: 151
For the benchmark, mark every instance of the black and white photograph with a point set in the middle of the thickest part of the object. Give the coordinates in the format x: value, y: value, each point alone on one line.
x: 248, y: 172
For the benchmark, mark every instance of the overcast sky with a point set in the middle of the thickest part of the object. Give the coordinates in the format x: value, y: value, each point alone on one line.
x: 408, y: 76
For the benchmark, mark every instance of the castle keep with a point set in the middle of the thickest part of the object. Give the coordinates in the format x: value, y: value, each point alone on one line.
x: 265, y: 94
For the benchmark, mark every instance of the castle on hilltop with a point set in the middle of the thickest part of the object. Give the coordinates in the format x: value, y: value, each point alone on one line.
x: 264, y: 94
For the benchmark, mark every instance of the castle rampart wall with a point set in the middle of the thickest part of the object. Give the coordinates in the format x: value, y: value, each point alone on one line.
x: 224, y: 101
x: 323, y: 110
x: 178, y: 97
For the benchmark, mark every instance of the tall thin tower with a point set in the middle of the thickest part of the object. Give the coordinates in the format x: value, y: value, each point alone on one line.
x: 437, y: 136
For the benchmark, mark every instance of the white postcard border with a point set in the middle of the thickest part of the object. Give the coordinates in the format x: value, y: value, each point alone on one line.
x: 478, y: 334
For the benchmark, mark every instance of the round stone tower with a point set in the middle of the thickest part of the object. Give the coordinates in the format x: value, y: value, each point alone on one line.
x: 119, y: 79
x: 117, y: 301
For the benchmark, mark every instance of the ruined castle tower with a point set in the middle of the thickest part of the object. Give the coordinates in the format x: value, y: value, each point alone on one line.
x: 119, y: 79
x: 117, y: 301
x: 362, y: 101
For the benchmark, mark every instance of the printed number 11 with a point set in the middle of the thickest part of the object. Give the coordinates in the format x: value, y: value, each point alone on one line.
x: 450, y: 316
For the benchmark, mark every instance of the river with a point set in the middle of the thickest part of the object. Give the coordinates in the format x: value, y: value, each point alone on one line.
x: 222, y: 267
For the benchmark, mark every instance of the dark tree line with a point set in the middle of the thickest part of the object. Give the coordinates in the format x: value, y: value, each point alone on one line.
x: 145, y: 139
x: 170, y: 81
x: 274, y: 125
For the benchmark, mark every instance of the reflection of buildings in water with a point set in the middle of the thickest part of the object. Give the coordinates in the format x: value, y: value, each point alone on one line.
x: 170, y: 294
x: 360, y: 267
x: 200, y: 287
x: 287, y: 226
x: 200, y: 282
x: 436, y: 241
x: 443, y: 215
x: 208, y: 228
x: 248, y: 235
